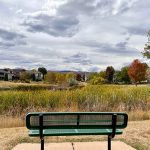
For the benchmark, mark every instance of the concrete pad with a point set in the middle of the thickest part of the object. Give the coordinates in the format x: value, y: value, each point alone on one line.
x: 116, y: 145
x: 47, y: 146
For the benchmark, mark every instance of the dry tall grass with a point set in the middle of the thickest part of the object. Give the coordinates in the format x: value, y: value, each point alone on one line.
x: 134, y: 100
x: 9, y: 122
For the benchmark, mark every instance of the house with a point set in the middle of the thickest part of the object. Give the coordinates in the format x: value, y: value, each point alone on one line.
x: 6, y: 74
x: 2, y: 74
x: 14, y: 74
x: 17, y: 72
x: 37, y: 76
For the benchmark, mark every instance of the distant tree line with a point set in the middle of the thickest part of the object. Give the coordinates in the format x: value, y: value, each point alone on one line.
x: 135, y: 73
x: 61, y: 78
x: 52, y: 77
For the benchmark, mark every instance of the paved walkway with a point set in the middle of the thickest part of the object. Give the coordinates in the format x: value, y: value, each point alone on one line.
x: 116, y: 145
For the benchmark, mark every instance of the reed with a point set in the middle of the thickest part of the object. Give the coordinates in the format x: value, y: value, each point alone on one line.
x: 134, y: 100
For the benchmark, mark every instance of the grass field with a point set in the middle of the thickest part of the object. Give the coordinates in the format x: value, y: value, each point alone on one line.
x: 16, y: 99
x: 17, y: 102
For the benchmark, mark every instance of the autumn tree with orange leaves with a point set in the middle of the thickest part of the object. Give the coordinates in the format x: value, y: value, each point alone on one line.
x: 137, y: 71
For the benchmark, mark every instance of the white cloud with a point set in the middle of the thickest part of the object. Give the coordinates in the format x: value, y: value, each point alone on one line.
x: 72, y: 34
x: 19, y: 11
x: 50, y: 6
x: 122, y: 5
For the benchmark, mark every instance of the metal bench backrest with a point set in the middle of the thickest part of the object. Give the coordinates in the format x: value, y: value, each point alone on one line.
x: 73, y: 120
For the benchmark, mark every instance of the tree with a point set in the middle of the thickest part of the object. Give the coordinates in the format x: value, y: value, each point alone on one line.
x: 70, y: 75
x: 43, y: 71
x: 137, y: 71
x: 60, y: 78
x: 92, y: 75
x: 117, y: 77
x: 78, y: 77
x: 25, y: 76
x: 97, y: 80
x: 124, y: 75
x: 148, y: 75
x: 102, y: 74
x: 146, y: 51
x: 110, y: 73
x: 50, y: 77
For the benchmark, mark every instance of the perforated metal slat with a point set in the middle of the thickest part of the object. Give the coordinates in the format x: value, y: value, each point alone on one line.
x: 52, y: 120
x: 63, y: 132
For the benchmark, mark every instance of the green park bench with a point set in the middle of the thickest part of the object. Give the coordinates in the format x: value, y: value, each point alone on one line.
x: 75, y: 123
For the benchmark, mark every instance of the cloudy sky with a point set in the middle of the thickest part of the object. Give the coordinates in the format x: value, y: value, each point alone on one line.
x: 86, y: 35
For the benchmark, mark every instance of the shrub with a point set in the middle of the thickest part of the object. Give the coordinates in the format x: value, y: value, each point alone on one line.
x: 25, y: 76
x: 72, y: 82
x: 97, y: 80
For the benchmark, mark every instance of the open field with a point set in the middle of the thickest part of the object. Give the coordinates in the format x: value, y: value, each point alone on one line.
x: 16, y: 103
x: 14, y: 84
x: 89, y: 98
x: 6, y: 85
x: 137, y: 134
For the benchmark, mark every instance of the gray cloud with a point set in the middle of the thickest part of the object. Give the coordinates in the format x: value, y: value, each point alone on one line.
x: 121, y: 45
x: 10, y: 35
x: 11, y: 38
x: 119, y: 49
x: 65, y: 26
x: 98, y: 7
x: 138, y: 30
x: 12, y: 57
x: 94, y: 69
x: 6, y: 44
x: 65, y: 22
x: 78, y: 58
x: 78, y: 34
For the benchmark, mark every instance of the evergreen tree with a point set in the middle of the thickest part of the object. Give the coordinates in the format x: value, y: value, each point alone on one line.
x: 110, y: 73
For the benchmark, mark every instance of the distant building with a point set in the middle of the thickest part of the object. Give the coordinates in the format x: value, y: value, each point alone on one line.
x: 17, y: 73
x: 6, y: 74
x: 35, y: 75
x: 38, y: 76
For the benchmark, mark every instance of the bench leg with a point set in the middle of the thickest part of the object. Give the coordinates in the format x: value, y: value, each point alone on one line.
x: 109, y: 142
x: 42, y: 144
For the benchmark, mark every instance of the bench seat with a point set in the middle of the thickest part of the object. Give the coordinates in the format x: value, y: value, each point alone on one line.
x: 67, y: 132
